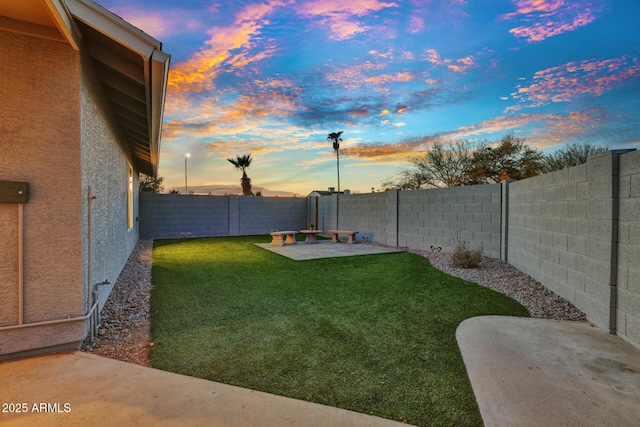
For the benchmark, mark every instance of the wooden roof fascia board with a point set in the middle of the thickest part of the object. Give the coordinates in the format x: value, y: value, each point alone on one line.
x: 64, y: 22
x: 151, y: 72
x: 114, y: 27
x: 159, y: 77
x: 31, y: 29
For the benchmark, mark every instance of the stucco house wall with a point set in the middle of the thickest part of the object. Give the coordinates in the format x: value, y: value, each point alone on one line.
x: 105, y: 169
x: 40, y: 140
x: 82, y: 101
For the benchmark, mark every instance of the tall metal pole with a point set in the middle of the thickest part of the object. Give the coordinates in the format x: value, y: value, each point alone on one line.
x: 186, y: 187
x: 338, y: 166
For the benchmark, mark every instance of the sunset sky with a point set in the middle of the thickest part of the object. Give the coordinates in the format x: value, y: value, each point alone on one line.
x: 273, y: 78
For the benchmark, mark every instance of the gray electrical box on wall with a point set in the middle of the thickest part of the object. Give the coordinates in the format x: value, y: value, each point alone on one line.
x: 14, y: 192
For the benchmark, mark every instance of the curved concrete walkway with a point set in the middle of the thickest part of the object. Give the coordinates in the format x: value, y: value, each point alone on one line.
x: 88, y: 390
x: 536, y: 372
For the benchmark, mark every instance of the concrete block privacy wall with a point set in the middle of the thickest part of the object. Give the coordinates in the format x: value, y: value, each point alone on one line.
x: 422, y: 218
x: 175, y: 215
x: 577, y: 232
x: 628, y: 304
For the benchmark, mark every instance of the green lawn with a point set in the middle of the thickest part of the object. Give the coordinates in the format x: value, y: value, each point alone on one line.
x: 373, y: 334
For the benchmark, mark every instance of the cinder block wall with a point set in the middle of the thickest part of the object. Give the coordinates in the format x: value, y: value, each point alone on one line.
x: 443, y: 216
x: 423, y: 218
x: 175, y: 215
x: 374, y: 215
x: 259, y: 215
x: 628, y: 301
x: 563, y: 231
x: 548, y: 232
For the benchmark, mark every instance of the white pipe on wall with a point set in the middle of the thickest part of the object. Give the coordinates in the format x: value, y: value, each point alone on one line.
x: 52, y: 322
x: 89, y: 199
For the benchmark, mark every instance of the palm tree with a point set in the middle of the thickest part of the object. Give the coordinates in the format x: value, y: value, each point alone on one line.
x: 243, y: 163
x: 335, y: 138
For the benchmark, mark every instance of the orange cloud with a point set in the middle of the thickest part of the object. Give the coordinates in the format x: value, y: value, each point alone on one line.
x: 541, y: 31
x: 458, y: 65
x: 545, y: 130
x: 228, y: 47
x: 525, y: 7
x: 338, y: 14
x: 548, y: 18
x: 574, y: 80
x: 416, y: 24
x: 248, y: 113
x: 385, y: 78
x: 390, y: 152
x: 548, y: 130
x: 357, y: 75
x: 462, y: 64
x: 386, y: 55
x: 407, y: 55
x: 337, y: 7
x: 433, y: 56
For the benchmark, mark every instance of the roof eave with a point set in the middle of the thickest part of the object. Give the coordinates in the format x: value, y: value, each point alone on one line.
x: 155, y: 64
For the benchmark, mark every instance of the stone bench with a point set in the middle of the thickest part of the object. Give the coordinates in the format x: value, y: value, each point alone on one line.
x: 311, y: 235
x: 290, y: 238
x: 336, y: 233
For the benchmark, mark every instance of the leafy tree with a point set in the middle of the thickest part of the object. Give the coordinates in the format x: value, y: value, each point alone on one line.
x: 437, y: 167
x: 571, y: 155
x: 149, y: 183
x: 336, y: 139
x: 242, y: 163
x: 460, y: 164
x: 174, y: 191
x: 512, y: 155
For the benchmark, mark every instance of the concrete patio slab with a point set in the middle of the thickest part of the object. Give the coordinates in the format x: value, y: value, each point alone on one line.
x: 536, y: 372
x: 325, y: 249
x: 81, y: 389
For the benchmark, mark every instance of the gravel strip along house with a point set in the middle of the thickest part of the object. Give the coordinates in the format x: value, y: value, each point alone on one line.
x: 82, y: 102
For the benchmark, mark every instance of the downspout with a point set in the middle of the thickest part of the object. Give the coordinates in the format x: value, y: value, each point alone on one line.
x: 20, y: 263
x: 89, y: 291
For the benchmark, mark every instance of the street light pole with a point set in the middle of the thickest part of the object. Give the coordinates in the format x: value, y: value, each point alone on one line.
x: 186, y: 187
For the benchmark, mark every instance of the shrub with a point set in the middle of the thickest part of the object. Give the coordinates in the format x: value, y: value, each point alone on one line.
x: 465, y: 257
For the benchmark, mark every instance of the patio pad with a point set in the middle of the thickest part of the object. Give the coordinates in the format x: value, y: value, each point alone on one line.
x: 538, y: 372
x: 324, y: 249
